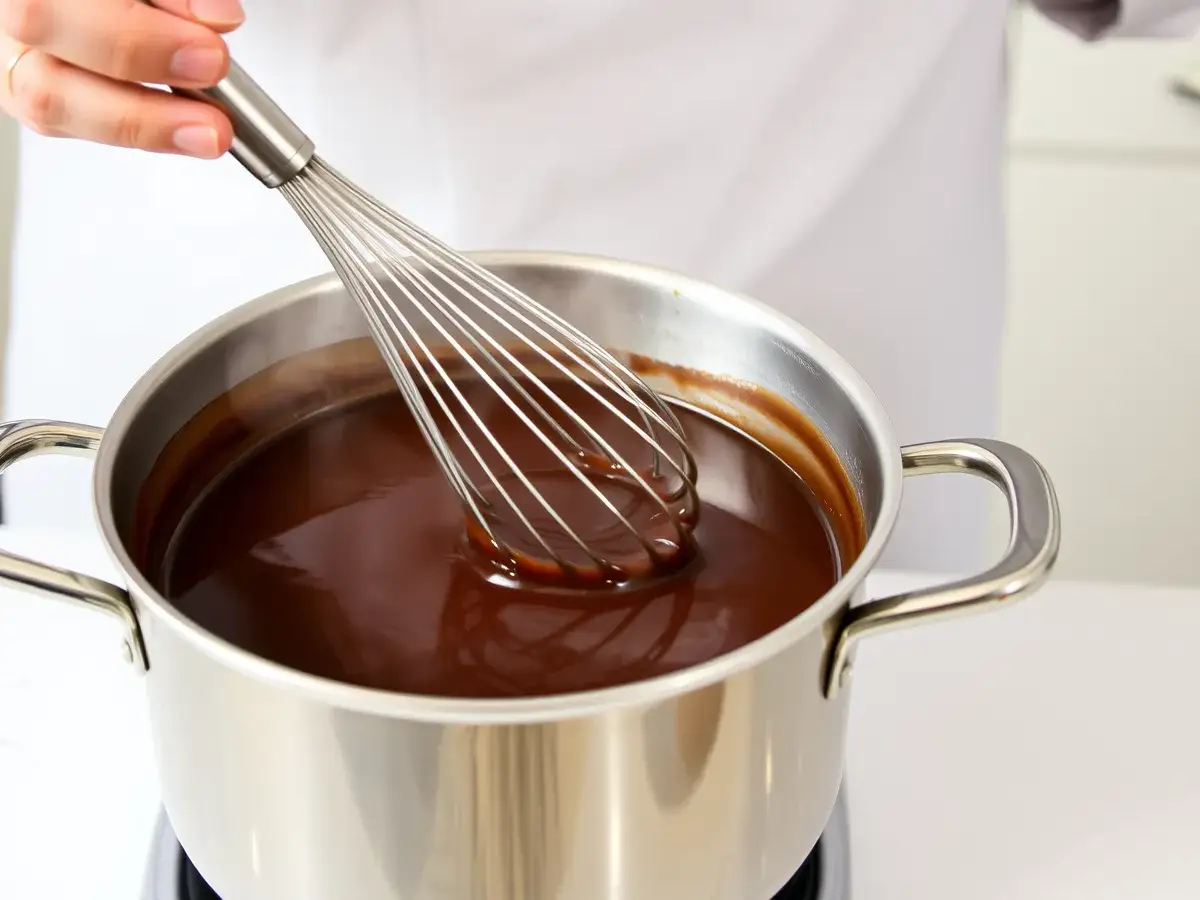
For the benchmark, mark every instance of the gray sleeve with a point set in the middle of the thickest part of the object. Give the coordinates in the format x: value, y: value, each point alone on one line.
x: 1092, y: 19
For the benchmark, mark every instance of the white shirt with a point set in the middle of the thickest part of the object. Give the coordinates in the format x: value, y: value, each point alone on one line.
x: 839, y: 160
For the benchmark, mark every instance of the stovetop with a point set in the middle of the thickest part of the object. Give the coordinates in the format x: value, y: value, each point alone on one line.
x: 824, y: 875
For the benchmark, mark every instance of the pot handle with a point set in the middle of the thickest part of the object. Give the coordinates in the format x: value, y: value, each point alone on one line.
x: 31, y: 437
x: 1032, y: 547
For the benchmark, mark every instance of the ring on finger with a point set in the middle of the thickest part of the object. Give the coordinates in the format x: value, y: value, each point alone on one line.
x: 11, y: 67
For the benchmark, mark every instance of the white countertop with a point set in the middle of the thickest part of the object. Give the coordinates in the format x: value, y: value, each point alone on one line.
x: 1044, y: 752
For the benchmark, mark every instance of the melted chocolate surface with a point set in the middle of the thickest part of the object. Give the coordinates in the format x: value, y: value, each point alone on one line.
x: 338, y: 548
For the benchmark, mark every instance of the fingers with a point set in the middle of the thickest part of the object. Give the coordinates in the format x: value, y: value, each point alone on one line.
x: 83, y: 76
x: 219, y: 15
x: 125, y: 39
x: 61, y: 100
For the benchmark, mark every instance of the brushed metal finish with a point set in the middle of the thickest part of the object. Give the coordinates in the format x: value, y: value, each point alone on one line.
x: 714, y: 782
x: 265, y: 140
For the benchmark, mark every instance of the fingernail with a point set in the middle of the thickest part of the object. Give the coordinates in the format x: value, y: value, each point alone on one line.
x: 218, y: 12
x: 201, y: 64
x: 198, y: 140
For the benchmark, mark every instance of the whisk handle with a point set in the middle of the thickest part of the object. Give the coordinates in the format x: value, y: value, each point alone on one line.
x: 265, y: 140
x: 268, y: 143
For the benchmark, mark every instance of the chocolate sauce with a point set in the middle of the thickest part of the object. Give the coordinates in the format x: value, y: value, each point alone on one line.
x: 338, y: 548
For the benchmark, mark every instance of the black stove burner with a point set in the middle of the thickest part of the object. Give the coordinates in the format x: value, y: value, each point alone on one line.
x: 803, y: 886
x: 191, y: 885
x: 806, y: 883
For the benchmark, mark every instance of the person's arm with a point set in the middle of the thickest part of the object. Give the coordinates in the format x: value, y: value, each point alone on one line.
x: 1094, y: 19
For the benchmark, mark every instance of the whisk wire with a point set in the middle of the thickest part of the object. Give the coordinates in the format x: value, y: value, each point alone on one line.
x: 446, y: 254
x: 382, y: 300
x: 668, y: 421
x: 374, y: 249
x: 353, y: 277
x: 388, y: 331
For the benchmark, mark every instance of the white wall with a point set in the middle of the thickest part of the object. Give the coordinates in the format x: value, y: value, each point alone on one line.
x: 1101, y: 380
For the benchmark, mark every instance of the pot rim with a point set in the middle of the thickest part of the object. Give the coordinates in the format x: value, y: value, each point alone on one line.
x: 521, y: 710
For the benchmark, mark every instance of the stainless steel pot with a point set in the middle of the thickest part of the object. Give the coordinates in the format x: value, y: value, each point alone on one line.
x: 284, y: 786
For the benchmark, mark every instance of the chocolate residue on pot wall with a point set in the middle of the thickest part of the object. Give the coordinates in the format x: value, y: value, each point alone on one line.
x: 301, y: 517
x: 780, y: 427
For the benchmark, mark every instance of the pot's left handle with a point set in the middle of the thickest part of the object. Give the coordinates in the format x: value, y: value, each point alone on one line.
x: 32, y: 437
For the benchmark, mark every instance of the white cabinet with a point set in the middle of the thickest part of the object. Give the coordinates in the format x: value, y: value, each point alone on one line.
x: 1111, y: 98
x: 1102, y: 363
x: 1101, y: 368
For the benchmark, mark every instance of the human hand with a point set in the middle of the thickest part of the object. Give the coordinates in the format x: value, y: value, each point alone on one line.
x: 77, y: 68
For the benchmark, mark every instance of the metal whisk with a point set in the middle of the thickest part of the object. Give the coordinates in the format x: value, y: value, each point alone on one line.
x: 592, y: 432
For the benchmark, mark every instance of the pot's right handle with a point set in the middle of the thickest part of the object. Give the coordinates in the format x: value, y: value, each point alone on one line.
x: 1032, y: 546
x: 32, y: 437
